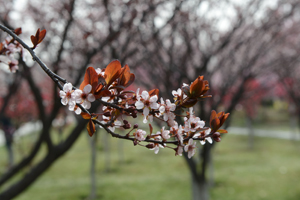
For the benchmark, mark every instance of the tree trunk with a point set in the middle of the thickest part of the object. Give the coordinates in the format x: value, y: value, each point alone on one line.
x: 121, y: 151
x: 10, y: 155
x: 200, y: 189
x: 251, y: 132
x: 106, y: 151
x: 92, y: 141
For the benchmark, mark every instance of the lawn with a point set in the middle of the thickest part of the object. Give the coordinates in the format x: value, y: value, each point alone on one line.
x: 270, y: 171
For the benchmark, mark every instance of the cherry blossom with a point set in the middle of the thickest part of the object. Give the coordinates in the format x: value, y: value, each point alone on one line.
x: 167, y: 109
x: 177, y: 93
x: 177, y: 131
x: 208, y: 139
x: 146, y: 103
x: 84, y: 97
x: 156, y: 145
x: 140, y: 135
x: 74, y: 107
x: 179, y: 150
x: 165, y: 134
x: 190, y: 148
x: 66, y: 94
x: 192, y: 123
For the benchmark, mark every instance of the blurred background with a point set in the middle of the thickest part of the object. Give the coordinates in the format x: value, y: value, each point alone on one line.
x: 247, y: 50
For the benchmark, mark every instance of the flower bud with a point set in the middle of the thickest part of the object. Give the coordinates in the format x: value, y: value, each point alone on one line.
x: 134, y: 114
x: 125, y: 121
x: 136, y: 126
x: 150, y: 146
x: 126, y: 126
x: 216, y: 136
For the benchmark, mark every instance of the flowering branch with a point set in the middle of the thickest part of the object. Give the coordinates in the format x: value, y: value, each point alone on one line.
x: 108, y: 86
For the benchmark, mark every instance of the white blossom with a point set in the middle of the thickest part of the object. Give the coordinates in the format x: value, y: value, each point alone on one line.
x: 165, y: 134
x: 146, y: 103
x: 140, y: 135
x: 66, y: 94
x: 167, y: 109
x: 208, y: 139
x: 190, y: 148
x: 84, y: 97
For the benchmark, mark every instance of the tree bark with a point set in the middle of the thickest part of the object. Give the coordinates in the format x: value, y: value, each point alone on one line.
x: 200, y: 189
x: 251, y: 132
x: 44, y: 164
x: 92, y: 141
x: 107, y: 151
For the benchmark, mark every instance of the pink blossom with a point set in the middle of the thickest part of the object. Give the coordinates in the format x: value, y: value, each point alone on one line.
x: 165, y: 134
x: 167, y: 109
x: 140, y: 135
x: 157, y: 145
x: 146, y: 103
x: 179, y: 150
x: 84, y: 97
x: 192, y: 124
x: 66, y: 94
x: 190, y: 148
x: 74, y: 107
x: 208, y: 139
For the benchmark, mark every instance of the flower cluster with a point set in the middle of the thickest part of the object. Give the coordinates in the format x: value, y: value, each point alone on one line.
x: 108, y: 86
x: 8, y: 48
x: 72, y: 97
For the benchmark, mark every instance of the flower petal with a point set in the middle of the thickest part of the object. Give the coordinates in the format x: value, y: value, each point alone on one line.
x: 91, y: 98
x: 87, y: 89
x: 139, y: 105
x: 146, y: 111
x: 145, y: 95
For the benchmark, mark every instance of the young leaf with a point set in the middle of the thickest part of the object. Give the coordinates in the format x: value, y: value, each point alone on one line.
x: 91, y: 128
x: 222, y: 131
x: 86, y: 115
x: 154, y: 92
x: 112, y: 72
x: 126, y: 77
x: 34, y: 41
x: 151, y: 129
x: 18, y: 31
x: 42, y: 35
x: 90, y: 77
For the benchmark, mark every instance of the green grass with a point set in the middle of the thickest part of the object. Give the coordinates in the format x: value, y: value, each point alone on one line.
x: 270, y: 171
x: 265, y: 118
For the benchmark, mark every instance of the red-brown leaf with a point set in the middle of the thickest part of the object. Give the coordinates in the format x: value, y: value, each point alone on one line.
x: 124, y: 78
x: 154, y: 92
x: 86, y: 115
x: 18, y: 31
x: 213, y: 115
x: 91, y: 128
x: 189, y: 103
x: 222, y: 131
x: 33, y: 40
x: 112, y: 72
x: 196, y: 88
x: 151, y: 129
x: 37, y: 33
x: 42, y: 35
x: 90, y: 77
